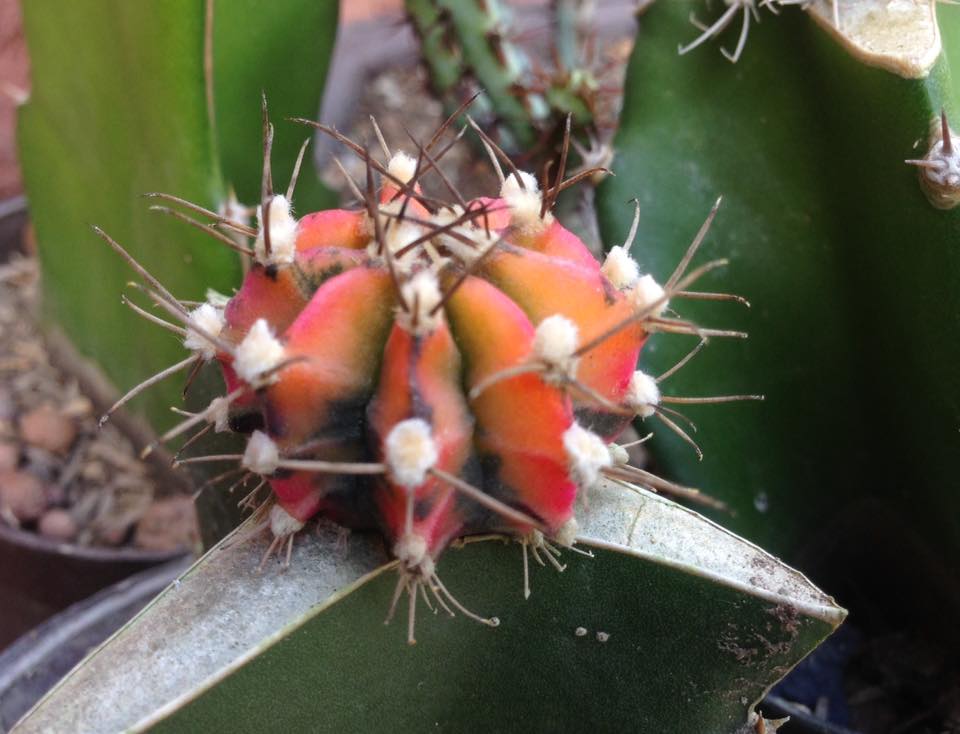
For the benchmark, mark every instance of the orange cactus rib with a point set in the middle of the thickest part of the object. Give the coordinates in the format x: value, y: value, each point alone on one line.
x: 421, y: 378
x: 520, y: 421
x: 272, y: 294
x: 339, y: 335
x: 499, y: 213
x: 557, y: 241
x: 543, y: 286
x: 344, y: 228
x: 280, y: 294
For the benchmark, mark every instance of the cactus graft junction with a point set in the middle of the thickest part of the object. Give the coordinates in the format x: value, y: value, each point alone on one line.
x: 424, y: 368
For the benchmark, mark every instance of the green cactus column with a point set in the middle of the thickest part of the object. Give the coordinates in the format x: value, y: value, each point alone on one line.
x: 852, y: 273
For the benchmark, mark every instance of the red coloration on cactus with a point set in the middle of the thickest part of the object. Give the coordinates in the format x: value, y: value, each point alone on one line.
x: 431, y: 371
x: 543, y: 285
x: 559, y: 242
x: 522, y: 448
x: 421, y: 378
x: 333, y: 228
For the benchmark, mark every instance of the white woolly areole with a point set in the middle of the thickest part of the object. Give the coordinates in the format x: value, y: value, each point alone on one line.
x: 218, y: 413
x: 554, y: 342
x: 397, y: 234
x: 618, y: 455
x: 259, y: 352
x: 217, y: 299
x: 209, y: 319
x: 567, y: 534
x: 621, y: 269
x: 282, y: 523
x: 647, y: 292
x: 411, y: 452
x: 421, y: 294
x: 283, y: 234
x: 262, y: 455
x: 587, y: 454
x: 402, y: 166
x: 453, y: 240
x: 411, y: 551
x: 524, y: 203
x: 948, y: 171
x: 643, y: 394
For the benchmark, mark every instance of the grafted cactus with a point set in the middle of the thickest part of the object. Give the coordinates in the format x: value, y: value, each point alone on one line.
x: 430, y: 369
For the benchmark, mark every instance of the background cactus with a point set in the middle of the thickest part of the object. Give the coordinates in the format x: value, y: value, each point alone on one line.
x: 846, y: 468
x: 154, y: 131
x: 833, y: 218
x: 471, y: 46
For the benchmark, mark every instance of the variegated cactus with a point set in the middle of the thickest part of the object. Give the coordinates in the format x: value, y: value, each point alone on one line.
x: 430, y: 369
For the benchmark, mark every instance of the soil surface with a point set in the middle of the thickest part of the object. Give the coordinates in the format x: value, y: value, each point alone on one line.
x: 61, y: 475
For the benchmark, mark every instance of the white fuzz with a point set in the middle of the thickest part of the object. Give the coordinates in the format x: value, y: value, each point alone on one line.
x: 411, y: 551
x: 262, y: 455
x: 473, y: 233
x: 524, y: 203
x: 567, y: 534
x: 397, y: 234
x: 217, y: 299
x: 621, y: 269
x: 554, y: 342
x: 421, y: 294
x: 643, y: 394
x: 402, y: 166
x: 411, y: 452
x: 233, y: 211
x: 210, y: 320
x: 619, y: 456
x: 259, y: 352
x: 283, y: 234
x: 587, y: 454
x: 282, y: 523
x: 218, y: 413
x: 647, y: 292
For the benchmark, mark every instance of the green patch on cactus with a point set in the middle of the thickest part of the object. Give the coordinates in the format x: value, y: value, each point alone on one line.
x: 854, y: 333
x: 673, y: 615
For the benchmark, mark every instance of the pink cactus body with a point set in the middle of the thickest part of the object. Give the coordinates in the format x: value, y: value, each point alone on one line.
x: 365, y: 354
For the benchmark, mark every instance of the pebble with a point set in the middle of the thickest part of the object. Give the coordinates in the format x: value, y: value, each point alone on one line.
x: 94, y: 472
x: 167, y: 525
x: 58, y: 524
x: 23, y: 494
x: 46, y: 428
x: 9, y: 457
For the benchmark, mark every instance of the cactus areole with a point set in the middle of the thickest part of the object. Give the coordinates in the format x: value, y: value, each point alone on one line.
x: 428, y: 369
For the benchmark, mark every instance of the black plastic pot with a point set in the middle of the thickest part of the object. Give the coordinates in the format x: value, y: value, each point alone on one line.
x: 34, y: 663
x: 39, y: 577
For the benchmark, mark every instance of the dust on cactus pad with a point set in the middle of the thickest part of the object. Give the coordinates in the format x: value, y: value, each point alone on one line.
x: 429, y: 369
